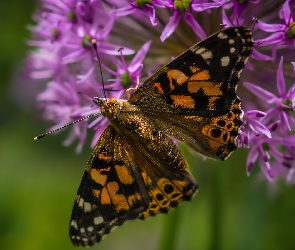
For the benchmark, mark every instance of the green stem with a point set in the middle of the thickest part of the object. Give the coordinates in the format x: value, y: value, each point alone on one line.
x: 168, y: 239
x: 216, y: 209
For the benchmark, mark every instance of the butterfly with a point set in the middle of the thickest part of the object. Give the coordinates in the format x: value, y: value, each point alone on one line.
x: 136, y: 170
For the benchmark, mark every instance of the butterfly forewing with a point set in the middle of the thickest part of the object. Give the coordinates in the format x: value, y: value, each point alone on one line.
x: 112, y: 191
x: 202, y: 81
x: 194, y: 98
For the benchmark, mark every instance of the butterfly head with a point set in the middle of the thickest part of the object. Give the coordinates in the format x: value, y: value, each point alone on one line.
x: 109, y: 107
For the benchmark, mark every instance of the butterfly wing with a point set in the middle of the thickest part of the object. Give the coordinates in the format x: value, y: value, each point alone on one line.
x: 101, y: 202
x: 194, y: 99
x: 124, y: 180
x: 165, y: 173
x: 214, y: 137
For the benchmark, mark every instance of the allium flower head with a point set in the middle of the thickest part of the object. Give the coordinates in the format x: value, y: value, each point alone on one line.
x: 136, y: 38
x: 281, y: 33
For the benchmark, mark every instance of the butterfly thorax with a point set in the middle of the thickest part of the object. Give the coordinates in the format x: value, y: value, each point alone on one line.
x: 125, y: 117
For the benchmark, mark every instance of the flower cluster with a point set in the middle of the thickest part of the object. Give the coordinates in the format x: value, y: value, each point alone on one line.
x: 129, y: 35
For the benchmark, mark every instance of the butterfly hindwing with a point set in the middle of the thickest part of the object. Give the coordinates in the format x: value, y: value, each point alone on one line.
x: 214, y: 137
x: 164, y: 171
x: 166, y: 193
x: 124, y: 180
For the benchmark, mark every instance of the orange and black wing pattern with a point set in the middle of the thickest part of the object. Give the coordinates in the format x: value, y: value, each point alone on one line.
x: 136, y: 170
x: 194, y: 97
x: 121, y: 182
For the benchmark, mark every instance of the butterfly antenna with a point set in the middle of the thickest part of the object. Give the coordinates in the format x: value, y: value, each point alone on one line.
x: 62, y: 127
x: 93, y: 41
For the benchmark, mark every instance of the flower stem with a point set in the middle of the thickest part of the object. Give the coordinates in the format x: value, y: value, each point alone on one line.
x: 168, y: 239
x: 216, y: 210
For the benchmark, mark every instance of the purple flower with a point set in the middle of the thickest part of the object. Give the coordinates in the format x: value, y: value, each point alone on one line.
x: 144, y: 7
x: 252, y: 125
x: 65, y: 32
x: 281, y: 34
x: 239, y: 7
x: 270, y: 129
x: 266, y: 151
x: 61, y: 103
x: 126, y: 76
x: 184, y: 9
x: 280, y: 106
x: 65, y: 60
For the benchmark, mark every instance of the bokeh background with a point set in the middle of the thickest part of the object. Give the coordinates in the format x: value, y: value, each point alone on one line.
x: 39, y: 180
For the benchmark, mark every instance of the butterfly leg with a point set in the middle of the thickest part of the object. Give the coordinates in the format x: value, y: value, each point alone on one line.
x: 132, y: 89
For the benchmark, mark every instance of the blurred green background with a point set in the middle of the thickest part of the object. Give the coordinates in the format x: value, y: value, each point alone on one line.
x: 39, y: 180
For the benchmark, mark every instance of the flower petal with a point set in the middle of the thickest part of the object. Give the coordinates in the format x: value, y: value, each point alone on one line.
x: 171, y: 26
x: 195, y: 26
x: 281, y: 84
x: 260, y: 92
x: 138, y: 58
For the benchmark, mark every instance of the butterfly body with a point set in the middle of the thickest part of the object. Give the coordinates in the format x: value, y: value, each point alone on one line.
x: 129, y: 121
x: 136, y: 170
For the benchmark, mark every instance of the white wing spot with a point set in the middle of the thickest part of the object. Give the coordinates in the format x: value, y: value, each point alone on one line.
x: 98, y: 220
x: 224, y: 61
x: 221, y: 35
x: 87, y: 207
x: 231, y: 41
x: 74, y: 224
x: 232, y: 50
x: 239, y: 72
x: 200, y: 51
x: 90, y: 229
x: 81, y: 202
x: 82, y: 230
x: 207, y: 55
x: 246, y: 60
x: 101, y: 232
